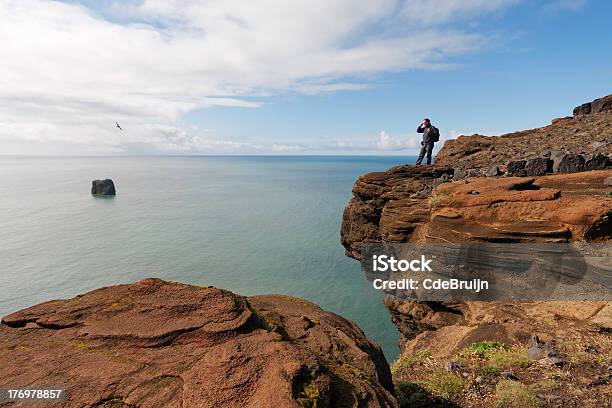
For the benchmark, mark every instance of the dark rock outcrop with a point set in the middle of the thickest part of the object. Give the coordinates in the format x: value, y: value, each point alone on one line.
x: 571, y: 163
x: 540, y: 166
x: 163, y: 344
x: 597, y: 106
x: 517, y: 168
x: 538, y: 349
x: 103, y: 187
x: 557, y: 162
x: 598, y: 162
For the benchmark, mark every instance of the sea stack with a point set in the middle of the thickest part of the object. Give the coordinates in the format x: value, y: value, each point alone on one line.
x: 103, y: 187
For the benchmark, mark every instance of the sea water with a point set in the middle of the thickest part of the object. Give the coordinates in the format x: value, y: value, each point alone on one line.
x: 252, y: 224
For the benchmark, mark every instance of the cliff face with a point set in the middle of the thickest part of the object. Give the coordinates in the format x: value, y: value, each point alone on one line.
x: 400, y: 206
x: 389, y: 206
x: 469, y: 195
x: 156, y: 343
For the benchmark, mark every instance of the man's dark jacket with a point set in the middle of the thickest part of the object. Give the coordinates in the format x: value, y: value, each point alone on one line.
x: 425, y: 131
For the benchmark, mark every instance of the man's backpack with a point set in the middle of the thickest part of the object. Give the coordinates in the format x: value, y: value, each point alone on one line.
x: 434, y: 134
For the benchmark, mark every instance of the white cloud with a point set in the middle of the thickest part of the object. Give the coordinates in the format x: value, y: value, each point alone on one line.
x: 440, y: 11
x: 322, y: 88
x: 67, y: 72
x: 388, y: 142
x: 410, y: 142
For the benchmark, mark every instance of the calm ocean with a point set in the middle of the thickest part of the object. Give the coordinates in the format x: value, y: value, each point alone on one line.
x: 252, y: 225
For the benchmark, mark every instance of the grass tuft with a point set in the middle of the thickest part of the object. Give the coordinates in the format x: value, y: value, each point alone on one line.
x: 513, y: 394
x: 403, y: 363
x: 514, y: 357
x: 444, y: 384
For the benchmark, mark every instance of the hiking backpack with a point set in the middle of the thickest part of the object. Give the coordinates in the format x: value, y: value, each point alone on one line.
x: 434, y: 134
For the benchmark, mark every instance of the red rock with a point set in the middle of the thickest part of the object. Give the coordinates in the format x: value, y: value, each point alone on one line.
x: 163, y: 344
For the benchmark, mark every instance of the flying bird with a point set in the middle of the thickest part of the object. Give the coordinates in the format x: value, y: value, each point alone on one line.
x: 118, y: 126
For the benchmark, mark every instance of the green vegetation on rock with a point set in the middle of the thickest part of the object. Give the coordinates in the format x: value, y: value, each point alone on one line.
x: 514, y: 357
x: 513, y: 394
x: 482, y: 349
x: 403, y: 363
x: 444, y: 384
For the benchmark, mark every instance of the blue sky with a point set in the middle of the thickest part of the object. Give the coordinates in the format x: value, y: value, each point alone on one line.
x: 186, y: 77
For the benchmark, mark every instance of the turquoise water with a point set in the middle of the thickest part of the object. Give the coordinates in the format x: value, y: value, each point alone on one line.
x: 252, y: 225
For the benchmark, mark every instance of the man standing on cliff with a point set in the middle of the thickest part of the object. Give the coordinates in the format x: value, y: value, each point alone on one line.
x: 431, y: 134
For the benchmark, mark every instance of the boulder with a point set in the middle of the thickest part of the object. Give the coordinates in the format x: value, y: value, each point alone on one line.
x: 517, y: 168
x: 459, y: 174
x: 571, y: 163
x: 538, y: 349
x: 539, y: 166
x: 453, y: 367
x: 103, y: 187
x: 492, y: 171
x: 163, y: 344
x: 597, y: 162
x: 473, y: 173
x: 445, y: 178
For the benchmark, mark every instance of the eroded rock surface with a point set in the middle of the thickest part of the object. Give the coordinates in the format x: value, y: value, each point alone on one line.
x: 557, y: 208
x: 388, y: 206
x: 161, y: 344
